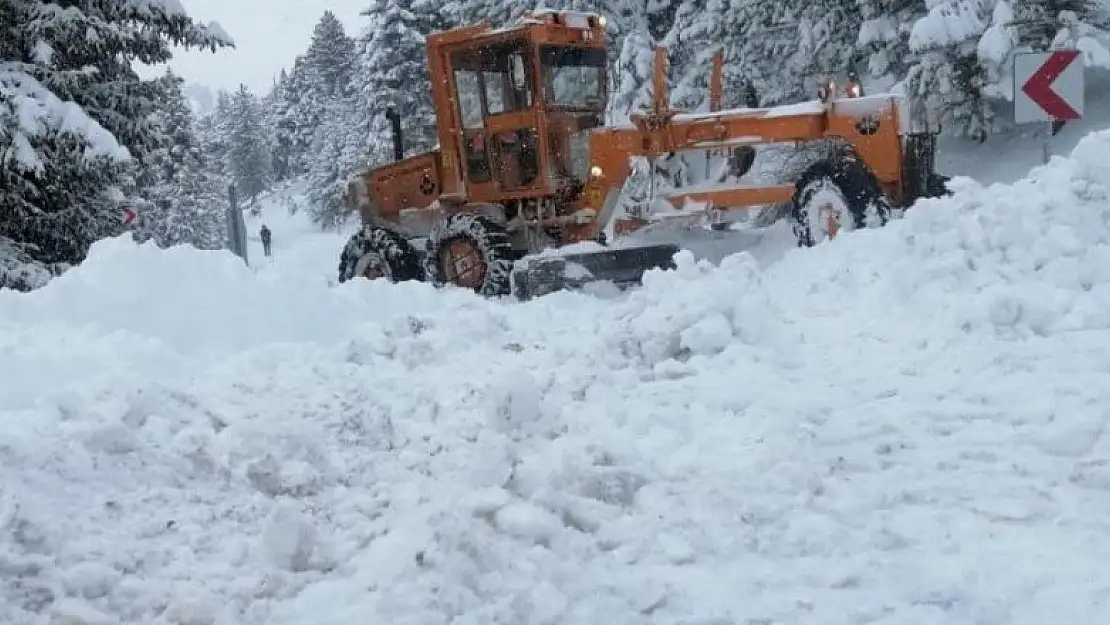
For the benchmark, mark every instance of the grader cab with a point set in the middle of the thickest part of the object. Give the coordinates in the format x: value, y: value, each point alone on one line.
x: 525, y: 167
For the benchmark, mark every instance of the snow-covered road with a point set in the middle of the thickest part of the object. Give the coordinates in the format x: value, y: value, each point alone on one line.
x: 904, y: 426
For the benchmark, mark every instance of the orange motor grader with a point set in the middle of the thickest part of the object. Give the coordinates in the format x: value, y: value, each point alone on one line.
x: 526, y: 176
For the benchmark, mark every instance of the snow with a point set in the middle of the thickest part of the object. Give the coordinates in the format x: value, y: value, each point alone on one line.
x: 169, y: 8
x: 1095, y: 54
x: 904, y: 425
x: 877, y: 30
x: 948, y: 22
x: 37, y: 111
x: 18, y: 270
x: 999, y: 39
x: 814, y: 107
x: 217, y: 31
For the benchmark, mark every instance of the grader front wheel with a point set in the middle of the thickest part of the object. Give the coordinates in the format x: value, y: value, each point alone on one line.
x: 471, y: 252
x: 834, y: 196
x: 375, y: 252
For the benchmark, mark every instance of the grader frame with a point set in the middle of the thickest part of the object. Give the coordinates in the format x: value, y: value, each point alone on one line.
x: 524, y: 164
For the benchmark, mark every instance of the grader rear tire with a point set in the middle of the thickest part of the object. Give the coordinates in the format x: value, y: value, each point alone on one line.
x: 470, y: 251
x: 375, y: 252
x: 836, y: 195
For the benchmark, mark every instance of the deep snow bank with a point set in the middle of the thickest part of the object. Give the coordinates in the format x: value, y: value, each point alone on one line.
x: 905, y: 426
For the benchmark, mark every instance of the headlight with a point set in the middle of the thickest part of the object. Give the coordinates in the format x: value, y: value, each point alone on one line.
x: 595, y: 171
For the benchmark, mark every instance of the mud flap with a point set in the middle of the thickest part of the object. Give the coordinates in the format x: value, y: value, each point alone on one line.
x: 536, y: 276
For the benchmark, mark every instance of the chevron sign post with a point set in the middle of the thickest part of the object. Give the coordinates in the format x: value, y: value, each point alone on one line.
x: 1048, y: 87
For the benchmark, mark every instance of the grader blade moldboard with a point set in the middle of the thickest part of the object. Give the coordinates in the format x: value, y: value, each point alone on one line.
x: 623, y: 267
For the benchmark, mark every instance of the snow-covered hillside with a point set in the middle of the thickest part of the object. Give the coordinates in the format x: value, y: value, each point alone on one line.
x: 903, y: 426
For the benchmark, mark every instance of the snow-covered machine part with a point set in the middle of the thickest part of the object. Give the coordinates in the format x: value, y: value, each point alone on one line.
x: 568, y: 269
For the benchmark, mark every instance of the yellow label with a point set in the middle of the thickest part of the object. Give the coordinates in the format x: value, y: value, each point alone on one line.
x: 593, y: 195
x: 448, y: 161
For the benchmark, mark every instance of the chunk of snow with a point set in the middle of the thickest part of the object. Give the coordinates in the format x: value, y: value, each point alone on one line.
x: 527, y: 521
x: 999, y: 39
x: 1095, y: 53
x: 947, y: 22
x: 217, y: 30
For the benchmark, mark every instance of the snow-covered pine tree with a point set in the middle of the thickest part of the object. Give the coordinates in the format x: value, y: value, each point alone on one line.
x: 187, y: 202
x: 248, y: 160
x: 1046, y: 24
x: 394, y: 59
x: 339, y: 148
x: 329, y: 57
x: 497, y: 12
x: 174, y: 121
x: 697, y: 34
x: 302, y: 115
x: 319, y: 78
x: 220, y: 137
x: 66, y: 167
x: 884, y: 37
x: 828, y: 34
x: 761, y: 41
x: 632, y: 91
x: 949, y: 76
x: 661, y: 17
x: 278, y: 120
x: 391, y: 71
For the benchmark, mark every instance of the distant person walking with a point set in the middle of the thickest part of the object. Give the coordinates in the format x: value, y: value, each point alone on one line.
x: 265, y: 234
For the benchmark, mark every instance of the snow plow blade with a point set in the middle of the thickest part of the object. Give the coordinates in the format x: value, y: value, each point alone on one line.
x: 535, y: 276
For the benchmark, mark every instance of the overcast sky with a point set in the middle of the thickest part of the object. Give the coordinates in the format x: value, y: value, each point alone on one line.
x: 268, y: 35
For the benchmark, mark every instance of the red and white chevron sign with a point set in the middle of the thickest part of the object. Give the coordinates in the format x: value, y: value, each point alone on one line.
x: 1048, y: 86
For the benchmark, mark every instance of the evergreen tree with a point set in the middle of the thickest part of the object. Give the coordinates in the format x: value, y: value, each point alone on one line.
x: 949, y: 76
x: 279, y: 120
x: 319, y: 78
x: 497, y: 13
x: 884, y: 36
x: 634, y: 69
x: 248, y: 160
x: 341, y: 149
x: 187, y: 201
x: 330, y: 56
x: 698, y: 34
x: 1046, y: 24
x: 75, y: 117
x: 394, y: 63
x: 301, y: 116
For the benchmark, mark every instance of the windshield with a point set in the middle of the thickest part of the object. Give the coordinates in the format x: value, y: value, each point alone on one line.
x: 574, y: 77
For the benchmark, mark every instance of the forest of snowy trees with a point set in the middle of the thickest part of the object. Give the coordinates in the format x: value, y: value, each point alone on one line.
x: 82, y: 135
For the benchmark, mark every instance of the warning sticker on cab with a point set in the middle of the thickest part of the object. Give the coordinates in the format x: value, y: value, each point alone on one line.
x: 593, y: 195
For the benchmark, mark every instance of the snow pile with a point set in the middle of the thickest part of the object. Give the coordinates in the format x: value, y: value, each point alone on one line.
x: 902, y: 426
x: 18, y: 270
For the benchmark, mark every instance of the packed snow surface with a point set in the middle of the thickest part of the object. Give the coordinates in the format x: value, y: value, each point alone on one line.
x: 906, y: 425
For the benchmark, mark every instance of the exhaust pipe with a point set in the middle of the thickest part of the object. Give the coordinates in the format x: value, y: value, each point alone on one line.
x: 398, y: 142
